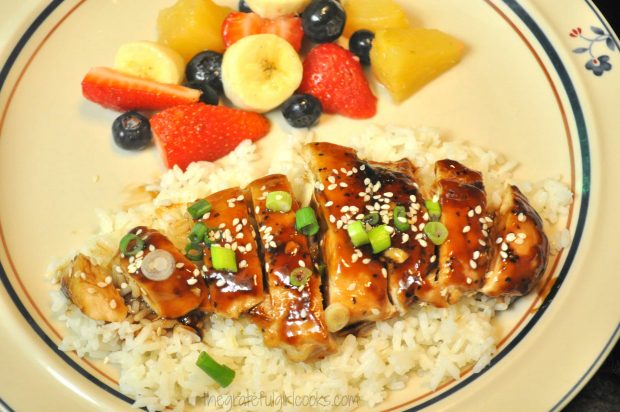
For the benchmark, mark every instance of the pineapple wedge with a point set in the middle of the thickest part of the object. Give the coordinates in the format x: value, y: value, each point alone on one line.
x: 192, y: 26
x: 373, y: 15
x: 405, y: 59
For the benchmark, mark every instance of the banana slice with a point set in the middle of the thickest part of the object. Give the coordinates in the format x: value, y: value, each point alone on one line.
x: 271, y: 9
x: 151, y: 61
x: 260, y: 72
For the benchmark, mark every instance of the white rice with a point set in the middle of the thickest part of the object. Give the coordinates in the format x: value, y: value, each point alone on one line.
x: 429, y: 343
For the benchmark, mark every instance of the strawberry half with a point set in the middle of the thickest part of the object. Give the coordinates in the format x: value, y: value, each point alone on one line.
x: 238, y: 25
x: 119, y: 91
x: 194, y: 132
x: 335, y: 77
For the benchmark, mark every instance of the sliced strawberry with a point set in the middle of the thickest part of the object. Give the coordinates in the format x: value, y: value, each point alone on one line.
x: 119, y: 91
x: 189, y: 133
x: 238, y: 25
x: 335, y: 77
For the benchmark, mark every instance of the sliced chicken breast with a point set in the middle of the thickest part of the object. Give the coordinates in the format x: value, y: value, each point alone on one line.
x: 292, y: 317
x: 90, y: 288
x: 464, y: 256
x: 521, y: 248
x: 228, y: 222
x: 356, y: 278
x: 179, y: 290
x: 411, y: 257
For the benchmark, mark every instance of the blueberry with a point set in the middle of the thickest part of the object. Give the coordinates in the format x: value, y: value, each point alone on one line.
x: 323, y: 20
x: 206, y: 67
x: 360, y: 44
x: 208, y: 96
x: 244, y: 8
x: 131, y: 131
x: 302, y: 110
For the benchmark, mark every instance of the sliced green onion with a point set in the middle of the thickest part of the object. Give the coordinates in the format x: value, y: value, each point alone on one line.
x: 198, y: 232
x: 279, y: 201
x: 300, y: 276
x: 400, y: 219
x: 199, y: 209
x: 131, y: 244
x: 194, y: 251
x: 223, y: 259
x: 434, y: 209
x: 372, y: 218
x: 357, y: 233
x: 436, y: 232
x: 222, y: 374
x: 379, y: 239
x: 305, y: 221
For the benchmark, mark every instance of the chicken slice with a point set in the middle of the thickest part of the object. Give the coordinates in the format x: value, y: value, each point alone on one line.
x: 412, y: 256
x: 178, y: 294
x: 292, y: 318
x: 356, y: 279
x: 521, y: 248
x: 232, y: 293
x: 90, y: 288
x: 463, y: 257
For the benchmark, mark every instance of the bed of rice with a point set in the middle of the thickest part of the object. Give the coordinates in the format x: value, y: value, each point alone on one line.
x: 432, y: 344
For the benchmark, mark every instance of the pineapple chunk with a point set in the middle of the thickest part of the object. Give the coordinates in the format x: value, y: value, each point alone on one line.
x: 373, y: 15
x: 404, y: 60
x: 192, y: 26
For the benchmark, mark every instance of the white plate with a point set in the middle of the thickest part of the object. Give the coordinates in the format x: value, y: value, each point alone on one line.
x: 521, y: 90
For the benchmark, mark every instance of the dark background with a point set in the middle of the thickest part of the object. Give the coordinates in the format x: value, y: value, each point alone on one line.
x: 602, y: 393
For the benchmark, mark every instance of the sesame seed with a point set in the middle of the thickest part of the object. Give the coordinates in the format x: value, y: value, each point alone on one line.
x: 239, y: 236
x: 366, y: 261
x: 499, y: 240
x: 257, y: 210
x: 329, y: 203
x: 196, y: 272
x: 521, y: 235
x: 484, y: 233
x: 363, y: 167
x: 405, y: 238
x: 504, y: 246
x: 222, y: 225
x: 476, y: 254
x: 510, y: 237
x: 343, y: 184
x: 272, y: 244
x: 422, y: 242
x: 220, y: 283
x: 384, y: 272
x: 240, y: 198
x: 235, y: 221
x: 331, y: 179
x: 478, y: 209
x: 244, y: 221
x: 113, y: 304
x: 375, y: 311
x: 351, y: 286
x: 482, y: 242
x: 124, y: 285
x: 151, y: 248
x: 102, y: 284
x: 303, y: 313
x: 339, y: 224
x: 521, y: 217
x: 332, y: 218
x: 344, y: 209
x: 248, y: 247
x: 301, y: 263
x: 503, y: 254
x: 192, y: 281
x: 436, y: 198
x: 332, y: 186
x: 519, y: 241
x: 433, y: 258
x: 466, y: 229
x: 473, y: 264
x: 468, y: 280
x: 470, y: 213
x: 354, y: 258
x: 243, y: 264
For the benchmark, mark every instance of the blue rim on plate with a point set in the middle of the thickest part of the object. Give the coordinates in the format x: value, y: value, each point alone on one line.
x: 582, y: 132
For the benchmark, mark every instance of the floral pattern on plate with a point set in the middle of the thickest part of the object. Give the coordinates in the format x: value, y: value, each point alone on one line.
x: 597, y: 64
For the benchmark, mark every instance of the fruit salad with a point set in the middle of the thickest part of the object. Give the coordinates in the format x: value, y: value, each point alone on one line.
x: 206, y: 83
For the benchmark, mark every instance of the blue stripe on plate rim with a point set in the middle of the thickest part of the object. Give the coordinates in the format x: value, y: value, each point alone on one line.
x: 582, y: 131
